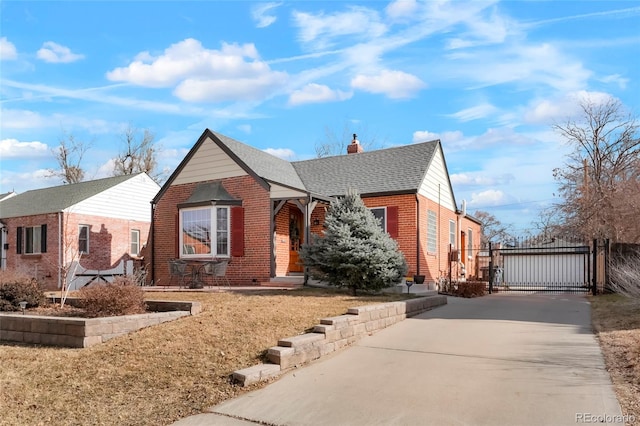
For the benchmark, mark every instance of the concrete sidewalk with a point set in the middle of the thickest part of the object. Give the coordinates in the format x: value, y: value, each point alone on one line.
x: 496, y: 360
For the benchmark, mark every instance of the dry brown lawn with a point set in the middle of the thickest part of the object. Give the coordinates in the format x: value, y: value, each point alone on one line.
x: 616, y: 321
x: 163, y: 373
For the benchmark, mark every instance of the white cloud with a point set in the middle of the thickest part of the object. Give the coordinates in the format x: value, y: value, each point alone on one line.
x: 317, y: 93
x: 13, y: 148
x: 548, y: 111
x: 616, y: 79
x: 394, y: 84
x: 235, y: 72
x: 260, y: 14
x: 56, y: 53
x: 445, y: 137
x: 244, y: 128
x: 322, y: 30
x: 7, y: 50
x: 401, y: 9
x: 284, y: 153
x: 490, y: 197
x: 480, y: 179
x: 25, y: 181
x: 494, y: 29
x: 17, y: 119
x: 475, y: 113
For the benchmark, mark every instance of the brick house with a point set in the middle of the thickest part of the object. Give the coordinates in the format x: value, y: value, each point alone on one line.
x: 229, y: 200
x: 102, y: 221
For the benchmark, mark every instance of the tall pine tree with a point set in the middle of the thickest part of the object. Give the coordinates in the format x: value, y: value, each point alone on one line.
x: 354, y: 251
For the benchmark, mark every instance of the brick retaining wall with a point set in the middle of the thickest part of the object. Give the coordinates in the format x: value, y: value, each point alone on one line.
x: 332, y: 334
x: 85, y: 332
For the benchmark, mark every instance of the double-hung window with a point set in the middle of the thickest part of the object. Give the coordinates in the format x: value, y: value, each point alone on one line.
x: 83, y: 239
x: 380, y: 213
x: 470, y: 243
x: 135, y: 242
x: 452, y: 233
x: 204, y: 232
x: 31, y: 239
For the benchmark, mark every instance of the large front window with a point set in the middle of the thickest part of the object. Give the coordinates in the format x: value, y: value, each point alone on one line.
x: 204, y: 232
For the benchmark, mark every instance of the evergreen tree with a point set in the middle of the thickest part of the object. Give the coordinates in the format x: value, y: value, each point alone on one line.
x: 354, y: 251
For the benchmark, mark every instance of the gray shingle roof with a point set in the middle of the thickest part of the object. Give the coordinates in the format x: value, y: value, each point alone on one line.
x: 56, y: 198
x: 399, y: 169
x: 265, y: 165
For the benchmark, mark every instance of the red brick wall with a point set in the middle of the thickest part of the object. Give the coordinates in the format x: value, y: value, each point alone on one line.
x: 406, y: 224
x: 254, y: 266
x: 108, y: 243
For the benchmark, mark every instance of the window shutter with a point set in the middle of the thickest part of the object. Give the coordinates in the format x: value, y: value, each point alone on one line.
x: 237, y: 231
x: 392, y: 221
x: 19, y: 241
x: 177, y: 235
x: 43, y: 238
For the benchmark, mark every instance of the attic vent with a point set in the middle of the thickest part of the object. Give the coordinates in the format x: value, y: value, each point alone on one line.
x: 354, y: 147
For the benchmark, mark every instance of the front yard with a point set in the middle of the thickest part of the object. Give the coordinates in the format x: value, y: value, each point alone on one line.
x: 163, y: 373
x: 616, y: 322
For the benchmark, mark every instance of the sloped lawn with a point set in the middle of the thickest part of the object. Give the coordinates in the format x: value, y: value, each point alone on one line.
x: 163, y: 373
x: 616, y: 321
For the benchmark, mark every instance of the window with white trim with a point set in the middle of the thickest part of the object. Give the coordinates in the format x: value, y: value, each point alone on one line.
x: 32, y: 239
x: 204, y: 232
x: 432, y: 231
x: 380, y: 213
x: 470, y: 243
x: 452, y: 233
x: 135, y: 242
x: 83, y: 239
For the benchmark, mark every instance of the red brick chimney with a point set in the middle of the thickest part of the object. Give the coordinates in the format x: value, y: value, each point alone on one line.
x: 354, y: 147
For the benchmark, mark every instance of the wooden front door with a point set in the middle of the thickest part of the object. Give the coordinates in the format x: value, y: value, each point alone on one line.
x: 296, y: 238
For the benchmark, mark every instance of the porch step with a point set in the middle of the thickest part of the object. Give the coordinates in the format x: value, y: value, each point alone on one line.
x: 294, y: 281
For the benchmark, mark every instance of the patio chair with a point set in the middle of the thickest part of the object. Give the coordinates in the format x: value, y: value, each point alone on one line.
x: 218, y: 272
x: 178, y: 269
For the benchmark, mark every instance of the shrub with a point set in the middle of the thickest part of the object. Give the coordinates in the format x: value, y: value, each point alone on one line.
x: 471, y: 289
x: 624, y: 274
x: 121, y: 297
x: 16, y: 288
x: 354, y: 251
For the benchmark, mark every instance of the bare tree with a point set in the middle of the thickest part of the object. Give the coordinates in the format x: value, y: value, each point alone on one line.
x: 336, y: 144
x: 599, y: 180
x: 492, y: 229
x: 139, y: 154
x: 69, y: 157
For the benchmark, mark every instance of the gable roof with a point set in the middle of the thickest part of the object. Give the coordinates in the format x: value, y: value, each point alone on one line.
x: 265, y: 165
x: 56, y: 198
x: 393, y: 170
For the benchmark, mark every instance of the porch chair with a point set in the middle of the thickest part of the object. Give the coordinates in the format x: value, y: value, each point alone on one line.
x: 218, y: 271
x: 178, y: 269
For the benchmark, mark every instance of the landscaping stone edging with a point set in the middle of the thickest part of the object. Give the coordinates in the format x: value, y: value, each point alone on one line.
x: 84, y: 332
x: 333, y: 334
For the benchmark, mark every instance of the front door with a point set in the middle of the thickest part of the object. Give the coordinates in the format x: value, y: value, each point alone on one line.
x: 296, y: 227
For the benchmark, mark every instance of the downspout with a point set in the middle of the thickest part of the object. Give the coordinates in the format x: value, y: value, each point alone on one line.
x: 417, y: 235
x: 153, y: 245
x: 60, y: 252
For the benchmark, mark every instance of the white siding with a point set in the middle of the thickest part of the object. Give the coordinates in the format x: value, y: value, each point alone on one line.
x: 436, y: 183
x: 129, y: 200
x: 209, y: 162
x: 278, y: 191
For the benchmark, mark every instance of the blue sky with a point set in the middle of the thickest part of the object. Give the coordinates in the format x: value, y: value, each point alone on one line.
x: 487, y: 78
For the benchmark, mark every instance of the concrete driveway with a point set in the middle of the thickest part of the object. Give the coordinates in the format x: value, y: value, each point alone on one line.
x: 495, y: 360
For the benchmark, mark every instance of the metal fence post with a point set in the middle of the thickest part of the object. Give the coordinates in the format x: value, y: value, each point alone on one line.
x: 595, y: 266
x: 491, y: 273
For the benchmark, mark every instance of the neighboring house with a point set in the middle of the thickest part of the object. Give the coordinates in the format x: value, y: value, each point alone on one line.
x: 99, y: 223
x: 231, y: 201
